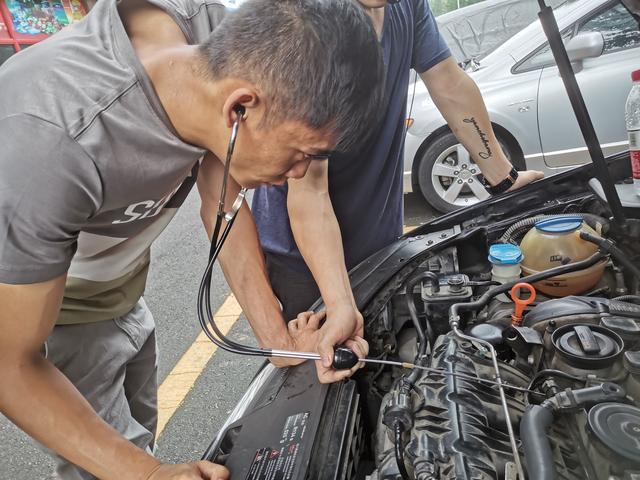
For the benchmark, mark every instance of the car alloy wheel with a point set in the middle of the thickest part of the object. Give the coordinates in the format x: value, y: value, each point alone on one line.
x: 448, y: 177
x: 455, y: 178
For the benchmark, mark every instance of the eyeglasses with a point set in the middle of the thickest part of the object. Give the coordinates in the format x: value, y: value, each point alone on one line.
x: 318, y: 156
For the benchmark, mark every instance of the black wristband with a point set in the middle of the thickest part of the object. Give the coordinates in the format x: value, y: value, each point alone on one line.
x: 504, y: 185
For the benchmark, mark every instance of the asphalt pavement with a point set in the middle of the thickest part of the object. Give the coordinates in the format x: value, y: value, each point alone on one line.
x: 178, y: 259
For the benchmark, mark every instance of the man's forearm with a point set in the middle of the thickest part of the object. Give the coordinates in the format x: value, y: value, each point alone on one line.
x: 460, y: 102
x: 41, y: 401
x: 242, y: 259
x: 320, y: 242
x: 318, y: 237
x: 244, y: 268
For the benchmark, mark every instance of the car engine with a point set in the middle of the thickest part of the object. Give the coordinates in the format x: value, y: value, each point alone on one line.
x: 564, y: 401
x: 511, y: 332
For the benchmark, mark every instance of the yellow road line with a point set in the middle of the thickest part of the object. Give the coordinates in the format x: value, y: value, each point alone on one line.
x: 408, y: 228
x: 182, y: 378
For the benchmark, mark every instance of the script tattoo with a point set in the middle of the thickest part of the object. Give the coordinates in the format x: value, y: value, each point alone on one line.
x: 483, y: 137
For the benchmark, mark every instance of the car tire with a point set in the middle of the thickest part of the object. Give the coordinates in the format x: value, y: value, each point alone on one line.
x: 447, y: 177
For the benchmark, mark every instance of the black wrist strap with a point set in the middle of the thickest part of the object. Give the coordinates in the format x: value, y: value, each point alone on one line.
x: 503, y: 186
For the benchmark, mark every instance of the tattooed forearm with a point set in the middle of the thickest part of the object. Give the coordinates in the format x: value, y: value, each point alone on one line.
x: 486, y: 154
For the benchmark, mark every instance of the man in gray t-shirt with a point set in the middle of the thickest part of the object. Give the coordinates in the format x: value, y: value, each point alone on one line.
x: 104, y: 129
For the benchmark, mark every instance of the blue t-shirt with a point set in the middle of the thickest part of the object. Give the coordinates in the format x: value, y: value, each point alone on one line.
x: 366, y: 188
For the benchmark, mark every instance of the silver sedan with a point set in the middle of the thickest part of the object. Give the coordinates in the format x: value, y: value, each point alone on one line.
x: 528, y: 105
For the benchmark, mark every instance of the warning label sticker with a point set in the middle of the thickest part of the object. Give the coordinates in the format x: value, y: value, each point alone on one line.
x: 279, y: 462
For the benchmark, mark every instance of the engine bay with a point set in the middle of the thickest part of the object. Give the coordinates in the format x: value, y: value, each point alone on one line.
x: 564, y: 400
x: 547, y: 390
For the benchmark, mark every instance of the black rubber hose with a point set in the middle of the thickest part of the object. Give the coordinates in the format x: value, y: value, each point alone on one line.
x: 628, y: 298
x: 537, y: 451
x: 554, y: 373
x: 609, y: 247
x: 458, y: 308
x: 399, y: 448
x: 413, y: 312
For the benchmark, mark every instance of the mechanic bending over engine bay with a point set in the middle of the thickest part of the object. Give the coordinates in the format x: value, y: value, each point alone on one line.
x: 519, y: 321
x: 127, y: 111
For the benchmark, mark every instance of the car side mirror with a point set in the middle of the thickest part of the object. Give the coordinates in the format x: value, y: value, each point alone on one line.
x: 585, y: 45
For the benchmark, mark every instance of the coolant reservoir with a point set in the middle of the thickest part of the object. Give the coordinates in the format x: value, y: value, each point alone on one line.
x: 505, y: 261
x: 554, y: 242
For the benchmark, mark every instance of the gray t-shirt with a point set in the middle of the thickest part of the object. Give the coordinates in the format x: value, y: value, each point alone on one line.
x: 91, y: 169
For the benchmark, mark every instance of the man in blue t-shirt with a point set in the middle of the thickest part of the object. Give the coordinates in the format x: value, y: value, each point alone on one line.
x: 347, y: 208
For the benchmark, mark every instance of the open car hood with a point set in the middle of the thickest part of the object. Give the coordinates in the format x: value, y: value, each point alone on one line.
x: 634, y: 7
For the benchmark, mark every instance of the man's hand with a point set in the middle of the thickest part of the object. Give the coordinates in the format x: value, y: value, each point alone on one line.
x: 526, y: 177
x: 304, y: 335
x: 201, y: 470
x: 305, y: 330
x: 344, y: 326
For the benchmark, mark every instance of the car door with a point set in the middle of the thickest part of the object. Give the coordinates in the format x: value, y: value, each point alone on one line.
x: 605, y: 82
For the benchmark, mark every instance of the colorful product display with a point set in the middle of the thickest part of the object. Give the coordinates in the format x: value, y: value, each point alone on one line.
x: 37, y: 17
x: 27, y: 22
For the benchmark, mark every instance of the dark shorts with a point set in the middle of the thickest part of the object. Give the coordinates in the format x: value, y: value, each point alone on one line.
x: 296, y: 291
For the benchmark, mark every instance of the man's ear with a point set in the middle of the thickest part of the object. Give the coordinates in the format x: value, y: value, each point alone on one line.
x: 240, y: 100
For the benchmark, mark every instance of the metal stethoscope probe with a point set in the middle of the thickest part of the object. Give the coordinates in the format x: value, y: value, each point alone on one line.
x: 343, y: 359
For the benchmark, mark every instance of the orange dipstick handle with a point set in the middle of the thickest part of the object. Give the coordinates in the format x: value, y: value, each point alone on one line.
x: 516, y: 317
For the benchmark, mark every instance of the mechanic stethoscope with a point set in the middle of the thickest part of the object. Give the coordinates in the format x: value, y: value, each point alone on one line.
x: 205, y: 315
x: 343, y: 358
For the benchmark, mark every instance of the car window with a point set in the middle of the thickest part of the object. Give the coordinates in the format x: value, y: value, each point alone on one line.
x: 474, y: 31
x: 618, y: 27
x: 543, y: 57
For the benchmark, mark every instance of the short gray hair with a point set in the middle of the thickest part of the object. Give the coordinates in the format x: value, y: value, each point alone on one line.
x: 317, y: 61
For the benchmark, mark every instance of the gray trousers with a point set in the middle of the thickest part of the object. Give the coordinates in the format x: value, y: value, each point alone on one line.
x: 114, y: 366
